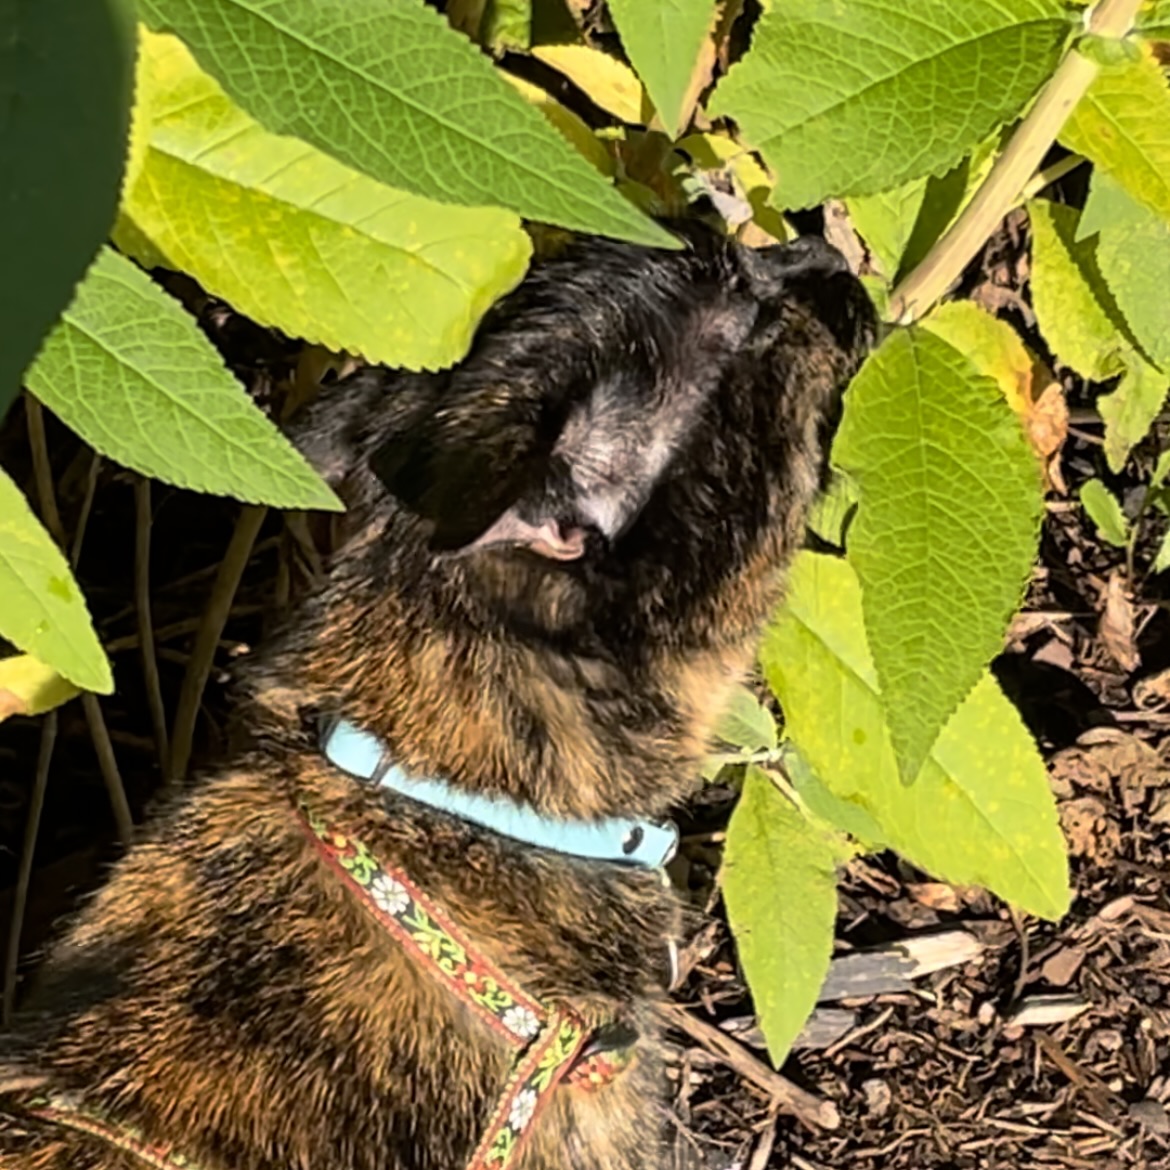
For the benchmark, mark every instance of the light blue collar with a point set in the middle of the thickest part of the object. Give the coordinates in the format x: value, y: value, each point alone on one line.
x: 643, y: 843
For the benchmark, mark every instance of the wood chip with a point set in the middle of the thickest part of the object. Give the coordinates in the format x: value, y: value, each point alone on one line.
x: 894, y: 967
x: 1038, y: 1011
x: 1060, y: 968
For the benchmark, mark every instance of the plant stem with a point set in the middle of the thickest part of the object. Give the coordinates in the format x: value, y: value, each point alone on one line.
x: 945, y: 262
x: 215, y: 616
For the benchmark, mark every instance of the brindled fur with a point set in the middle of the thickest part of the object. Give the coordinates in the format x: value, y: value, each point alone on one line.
x: 667, y: 411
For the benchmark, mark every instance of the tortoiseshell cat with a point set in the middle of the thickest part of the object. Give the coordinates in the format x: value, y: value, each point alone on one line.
x: 557, y: 558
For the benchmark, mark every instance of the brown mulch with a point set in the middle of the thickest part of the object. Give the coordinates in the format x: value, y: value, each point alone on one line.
x: 939, y: 1074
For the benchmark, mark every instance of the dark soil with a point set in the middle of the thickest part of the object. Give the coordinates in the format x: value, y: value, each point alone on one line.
x: 937, y: 1075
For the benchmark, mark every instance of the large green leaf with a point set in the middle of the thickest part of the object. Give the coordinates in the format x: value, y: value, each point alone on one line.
x: 1123, y: 125
x: 947, y: 527
x: 294, y: 239
x: 981, y: 811
x: 388, y: 88
x: 662, y: 40
x: 851, y: 99
x: 130, y: 371
x: 66, y: 81
x: 1133, y: 252
x: 780, y: 887
x: 1074, y: 309
x: 44, y: 612
x: 1079, y: 315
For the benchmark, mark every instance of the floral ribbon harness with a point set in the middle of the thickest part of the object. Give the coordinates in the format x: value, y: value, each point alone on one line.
x: 553, y: 1045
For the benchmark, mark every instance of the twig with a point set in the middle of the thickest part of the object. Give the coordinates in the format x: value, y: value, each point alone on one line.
x: 108, y: 764
x: 1001, y: 189
x: 1025, y: 956
x: 34, y: 417
x: 47, y: 498
x: 812, y: 1110
x: 32, y: 827
x: 1050, y: 175
x: 91, y: 478
x: 158, y: 715
x: 219, y: 605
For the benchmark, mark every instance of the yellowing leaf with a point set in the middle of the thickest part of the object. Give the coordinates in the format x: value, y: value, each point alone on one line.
x: 389, y: 88
x: 981, y: 811
x: 608, y: 83
x: 29, y: 687
x: 1123, y: 125
x: 723, y: 157
x: 294, y: 239
x: 569, y: 124
x: 997, y: 350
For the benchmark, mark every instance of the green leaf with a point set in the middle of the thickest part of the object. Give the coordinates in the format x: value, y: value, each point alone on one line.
x: 946, y: 532
x: 981, y: 811
x: 132, y: 374
x: 389, y: 89
x: 1133, y: 252
x: 1074, y: 308
x: 609, y: 83
x: 1162, y: 560
x: 746, y: 723
x: 663, y: 40
x: 29, y: 687
x: 1078, y: 305
x: 44, y: 613
x: 820, y: 802
x: 507, y: 25
x: 852, y: 99
x: 1123, y: 124
x: 1161, y: 470
x: 886, y: 221
x: 296, y: 240
x: 66, y: 82
x: 780, y: 887
x: 1129, y: 412
x: 834, y: 509
x: 1153, y: 21
x: 1105, y: 511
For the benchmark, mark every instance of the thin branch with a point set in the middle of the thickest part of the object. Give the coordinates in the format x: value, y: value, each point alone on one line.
x: 158, y: 714
x: 944, y: 264
x: 91, y: 478
x: 32, y: 827
x: 215, y: 616
x: 1050, y: 175
x: 47, y: 498
x: 34, y: 417
x: 108, y: 764
x: 812, y: 1110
